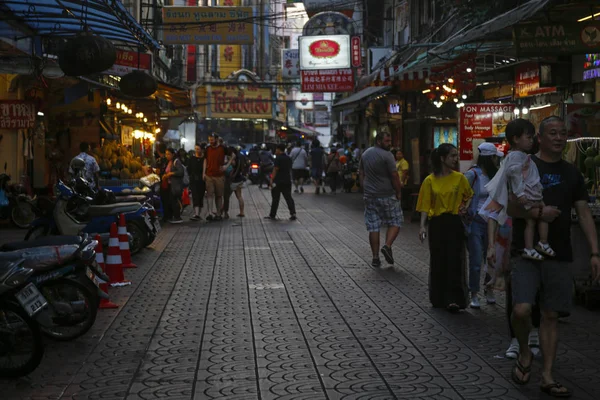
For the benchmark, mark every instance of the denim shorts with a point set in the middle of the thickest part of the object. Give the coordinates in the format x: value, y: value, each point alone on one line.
x: 382, y: 211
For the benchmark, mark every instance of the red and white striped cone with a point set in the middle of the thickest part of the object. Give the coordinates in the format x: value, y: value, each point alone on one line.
x: 114, y: 265
x: 124, y: 243
x: 104, y: 303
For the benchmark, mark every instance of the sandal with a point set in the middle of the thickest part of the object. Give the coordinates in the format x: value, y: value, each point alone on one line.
x: 531, y: 254
x: 241, y: 215
x: 545, y: 249
x: 554, y: 389
x: 453, y: 308
x: 523, y: 370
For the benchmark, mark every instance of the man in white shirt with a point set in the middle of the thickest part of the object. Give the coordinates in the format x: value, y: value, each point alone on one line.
x: 299, y: 166
x: 92, y: 170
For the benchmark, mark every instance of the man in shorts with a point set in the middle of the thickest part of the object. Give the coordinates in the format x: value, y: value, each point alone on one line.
x: 381, y: 188
x: 564, y: 189
x: 214, y: 176
x: 299, y: 165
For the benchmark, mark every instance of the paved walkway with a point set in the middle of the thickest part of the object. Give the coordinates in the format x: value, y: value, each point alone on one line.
x: 256, y: 309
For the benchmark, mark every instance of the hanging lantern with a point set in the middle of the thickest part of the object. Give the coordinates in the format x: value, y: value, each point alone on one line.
x: 138, y: 84
x: 87, y: 54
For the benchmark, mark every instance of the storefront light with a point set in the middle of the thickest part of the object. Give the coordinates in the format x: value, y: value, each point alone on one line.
x: 145, y: 119
x: 455, y: 100
x: 40, y: 114
x: 525, y: 111
x: 442, y: 97
x: 426, y: 91
x: 469, y: 70
x: 129, y: 111
x: 517, y: 111
x: 450, y: 80
x: 108, y: 102
x: 464, y: 96
x: 157, y: 130
x: 118, y: 105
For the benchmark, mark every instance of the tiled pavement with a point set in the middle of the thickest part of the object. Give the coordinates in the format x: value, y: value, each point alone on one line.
x: 253, y: 309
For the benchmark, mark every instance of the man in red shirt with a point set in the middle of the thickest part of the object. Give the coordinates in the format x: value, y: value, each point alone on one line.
x: 214, y: 175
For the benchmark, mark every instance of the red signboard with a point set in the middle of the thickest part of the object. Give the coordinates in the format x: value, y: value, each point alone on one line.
x: 127, y: 61
x: 527, y: 81
x: 17, y: 114
x: 328, y: 80
x: 356, y: 51
x: 324, y: 48
x: 479, y: 121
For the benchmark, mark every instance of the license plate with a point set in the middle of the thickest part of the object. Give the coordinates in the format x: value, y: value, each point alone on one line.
x: 147, y: 221
x: 157, y: 226
x: 31, y: 299
x: 255, y: 170
x: 90, y: 274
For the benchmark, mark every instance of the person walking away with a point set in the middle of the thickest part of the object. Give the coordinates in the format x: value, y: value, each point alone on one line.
x: 317, y: 165
x: 382, y: 193
x: 266, y: 165
x: 197, y: 185
x: 479, y: 176
x: 183, y: 157
x: 402, y: 167
x: 355, y: 153
x: 91, y: 172
x: 234, y: 180
x: 214, y: 176
x: 299, y: 165
x: 282, y: 179
x: 160, y: 166
x: 444, y: 197
x: 172, y: 180
x: 563, y: 189
x: 334, y: 166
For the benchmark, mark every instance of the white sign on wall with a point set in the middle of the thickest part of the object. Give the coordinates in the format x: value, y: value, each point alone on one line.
x: 324, y: 52
x: 290, y: 63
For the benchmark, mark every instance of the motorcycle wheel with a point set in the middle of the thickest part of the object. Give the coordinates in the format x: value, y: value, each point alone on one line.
x: 22, y: 215
x: 151, y: 238
x: 20, y: 337
x: 139, y: 235
x: 81, y: 277
x: 37, y: 232
x: 71, y: 310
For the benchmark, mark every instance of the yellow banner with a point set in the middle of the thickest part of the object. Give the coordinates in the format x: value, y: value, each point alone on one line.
x: 233, y: 102
x: 208, y: 25
x: 230, y: 55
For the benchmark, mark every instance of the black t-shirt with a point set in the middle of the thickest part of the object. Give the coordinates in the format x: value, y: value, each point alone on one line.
x: 563, y: 186
x: 195, y: 168
x: 284, y: 174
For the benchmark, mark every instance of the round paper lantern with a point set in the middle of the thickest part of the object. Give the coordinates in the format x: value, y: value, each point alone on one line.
x: 138, y: 84
x: 87, y: 54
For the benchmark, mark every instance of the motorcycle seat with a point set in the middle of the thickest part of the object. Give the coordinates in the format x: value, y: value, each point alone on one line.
x: 43, y: 241
x: 42, y: 258
x: 131, y: 198
x: 113, y: 209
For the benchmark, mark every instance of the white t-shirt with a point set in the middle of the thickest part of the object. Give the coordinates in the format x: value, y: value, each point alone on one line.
x: 299, y: 158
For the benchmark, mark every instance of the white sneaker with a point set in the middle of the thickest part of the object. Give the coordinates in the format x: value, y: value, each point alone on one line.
x: 534, y: 341
x: 490, y: 296
x: 513, y: 350
x: 475, y: 302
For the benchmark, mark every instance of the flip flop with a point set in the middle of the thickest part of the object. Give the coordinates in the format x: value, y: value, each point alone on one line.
x: 453, y: 308
x: 553, y: 389
x: 523, y: 370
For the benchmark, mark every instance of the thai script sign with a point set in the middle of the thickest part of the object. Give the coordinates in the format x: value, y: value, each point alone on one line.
x: 208, y: 25
x: 129, y: 61
x: 17, y: 114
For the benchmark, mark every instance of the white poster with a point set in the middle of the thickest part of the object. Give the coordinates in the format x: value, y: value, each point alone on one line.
x: 290, y: 64
x: 324, y: 52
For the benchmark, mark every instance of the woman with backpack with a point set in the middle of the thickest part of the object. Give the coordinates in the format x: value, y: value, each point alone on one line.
x: 172, y: 180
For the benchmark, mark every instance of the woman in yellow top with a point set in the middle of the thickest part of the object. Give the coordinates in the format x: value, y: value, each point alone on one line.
x: 402, y: 167
x: 445, y: 196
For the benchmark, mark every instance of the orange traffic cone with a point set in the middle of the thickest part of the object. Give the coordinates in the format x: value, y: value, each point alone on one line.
x: 124, y: 243
x: 104, y: 303
x: 114, y: 266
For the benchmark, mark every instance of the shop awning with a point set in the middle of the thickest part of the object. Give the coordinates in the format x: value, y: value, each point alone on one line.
x: 107, y: 18
x: 364, y: 94
x: 177, y: 96
x: 502, y: 21
x: 305, y: 131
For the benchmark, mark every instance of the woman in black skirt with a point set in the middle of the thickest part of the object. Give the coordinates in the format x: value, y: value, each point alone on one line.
x: 444, y: 197
x: 198, y: 187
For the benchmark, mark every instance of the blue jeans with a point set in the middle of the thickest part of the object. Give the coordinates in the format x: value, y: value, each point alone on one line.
x: 477, y: 245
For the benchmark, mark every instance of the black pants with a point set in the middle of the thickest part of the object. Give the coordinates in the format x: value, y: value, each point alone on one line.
x: 447, y: 270
x: 176, y: 205
x: 198, y: 190
x: 265, y: 175
x: 167, y: 203
x: 535, y: 311
x: 284, y: 189
x: 227, y: 194
x: 332, y: 178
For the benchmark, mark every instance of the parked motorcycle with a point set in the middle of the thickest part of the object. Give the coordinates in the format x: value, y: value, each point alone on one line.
x: 21, y: 344
x: 14, y: 204
x: 73, y: 213
x: 65, y: 276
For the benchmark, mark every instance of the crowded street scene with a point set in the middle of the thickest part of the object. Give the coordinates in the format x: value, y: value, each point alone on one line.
x: 299, y: 199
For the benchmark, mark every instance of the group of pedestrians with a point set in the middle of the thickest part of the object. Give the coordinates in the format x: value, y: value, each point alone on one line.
x: 214, y: 172
x: 526, y: 200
